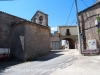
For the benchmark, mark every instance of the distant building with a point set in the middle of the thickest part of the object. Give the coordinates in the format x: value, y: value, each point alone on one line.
x: 27, y: 40
x: 68, y: 33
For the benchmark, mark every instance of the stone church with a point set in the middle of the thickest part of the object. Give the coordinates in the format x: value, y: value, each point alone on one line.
x: 27, y: 40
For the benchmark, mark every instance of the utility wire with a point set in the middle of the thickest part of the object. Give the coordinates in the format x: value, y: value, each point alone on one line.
x: 94, y: 0
x: 89, y: 1
x: 70, y: 12
x: 69, y: 15
x: 84, y: 3
x: 89, y: 22
x: 73, y: 21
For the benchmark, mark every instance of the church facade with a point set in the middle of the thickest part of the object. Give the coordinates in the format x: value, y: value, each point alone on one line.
x: 27, y: 40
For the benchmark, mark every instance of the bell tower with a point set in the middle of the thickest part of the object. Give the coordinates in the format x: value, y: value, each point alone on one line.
x: 40, y: 18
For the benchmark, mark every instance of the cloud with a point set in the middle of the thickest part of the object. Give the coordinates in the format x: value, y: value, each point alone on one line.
x: 53, y: 28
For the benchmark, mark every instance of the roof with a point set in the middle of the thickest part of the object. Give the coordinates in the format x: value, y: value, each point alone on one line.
x: 67, y: 26
x: 12, y: 15
x: 89, y: 7
x: 22, y: 20
x: 41, y: 12
x: 29, y: 22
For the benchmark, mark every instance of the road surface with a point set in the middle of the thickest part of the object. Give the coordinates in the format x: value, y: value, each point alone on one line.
x: 57, y: 59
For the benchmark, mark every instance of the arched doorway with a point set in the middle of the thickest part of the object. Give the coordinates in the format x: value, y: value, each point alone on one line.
x: 70, y: 42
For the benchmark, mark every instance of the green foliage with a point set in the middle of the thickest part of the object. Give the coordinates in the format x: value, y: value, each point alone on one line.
x: 98, y: 30
x: 76, y: 38
x: 98, y: 18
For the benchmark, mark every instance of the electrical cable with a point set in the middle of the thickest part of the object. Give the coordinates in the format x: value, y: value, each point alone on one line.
x: 89, y: 22
x: 84, y: 3
x: 89, y: 1
x: 94, y: 0
x: 69, y: 14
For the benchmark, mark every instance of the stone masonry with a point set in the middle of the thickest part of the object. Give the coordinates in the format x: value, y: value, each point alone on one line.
x: 26, y: 40
x: 88, y: 28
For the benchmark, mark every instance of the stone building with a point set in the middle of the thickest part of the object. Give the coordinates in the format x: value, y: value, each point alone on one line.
x: 89, y: 25
x: 97, y: 1
x: 55, y: 41
x: 27, y: 40
x: 68, y: 33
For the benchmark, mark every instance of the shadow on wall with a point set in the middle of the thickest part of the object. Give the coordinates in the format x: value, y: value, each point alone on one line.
x: 17, y: 51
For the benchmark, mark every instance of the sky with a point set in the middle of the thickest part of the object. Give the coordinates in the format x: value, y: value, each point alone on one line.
x: 57, y: 10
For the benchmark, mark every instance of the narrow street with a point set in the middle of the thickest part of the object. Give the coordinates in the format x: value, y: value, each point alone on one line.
x: 58, y: 62
x: 57, y: 59
x: 29, y: 29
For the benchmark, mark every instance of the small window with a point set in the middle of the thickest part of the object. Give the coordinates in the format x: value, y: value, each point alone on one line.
x: 98, y: 25
x: 41, y: 20
x: 35, y: 20
x: 67, y: 32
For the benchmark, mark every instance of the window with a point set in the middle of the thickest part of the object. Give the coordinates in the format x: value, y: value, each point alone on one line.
x: 41, y: 20
x: 67, y: 32
x: 35, y: 20
x: 97, y: 23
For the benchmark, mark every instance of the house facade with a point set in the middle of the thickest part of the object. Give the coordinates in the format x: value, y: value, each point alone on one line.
x: 67, y: 33
x: 89, y: 26
x: 27, y: 40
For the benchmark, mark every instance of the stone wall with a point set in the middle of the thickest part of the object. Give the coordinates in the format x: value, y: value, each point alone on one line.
x: 87, y: 25
x: 26, y: 40
x: 6, y: 20
x: 37, y: 41
x: 17, y: 50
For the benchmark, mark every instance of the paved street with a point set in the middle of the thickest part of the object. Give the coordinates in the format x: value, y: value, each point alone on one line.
x: 46, y: 65
x: 84, y: 65
x: 60, y: 62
